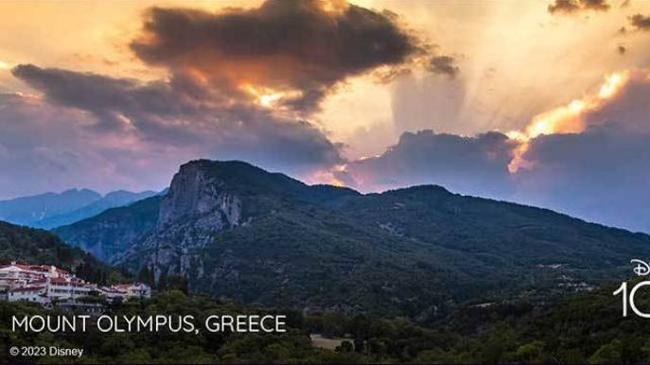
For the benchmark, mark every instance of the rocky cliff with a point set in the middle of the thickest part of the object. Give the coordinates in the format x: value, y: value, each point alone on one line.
x: 194, y: 193
x: 198, y: 205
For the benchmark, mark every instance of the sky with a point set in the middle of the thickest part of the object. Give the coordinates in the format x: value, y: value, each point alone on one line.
x: 543, y: 103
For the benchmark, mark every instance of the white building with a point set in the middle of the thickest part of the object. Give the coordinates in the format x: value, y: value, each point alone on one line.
x: 68, y: 288
x: 127, y: 291
x: 47, y: 284
x: 34, y: 294
x: 18, y: 275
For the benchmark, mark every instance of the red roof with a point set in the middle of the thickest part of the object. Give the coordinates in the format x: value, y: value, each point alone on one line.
x: 41, y: 268
x: 27, y: 288
x: 20, y: 266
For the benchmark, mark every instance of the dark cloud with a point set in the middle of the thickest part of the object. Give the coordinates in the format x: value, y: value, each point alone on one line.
x: 304, y: 47
x: 445, y: 65
x: 184, y: 115
x: 601, y: 175
x: 469, y: 165
x: 575, y: 6
x: 118, y: 103
x: 640, y: 21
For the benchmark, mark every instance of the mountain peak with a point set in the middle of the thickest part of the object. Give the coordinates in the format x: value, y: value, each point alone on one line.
x: 223, y: 188
x: 201, y: 186
x: 80, y: 191
x: 430, y: 189
x: 242, y: 177
x: 234, y: 170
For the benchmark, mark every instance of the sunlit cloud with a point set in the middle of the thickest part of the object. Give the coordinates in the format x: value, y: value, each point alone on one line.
x: 268, y: 97
x: 565, y: 119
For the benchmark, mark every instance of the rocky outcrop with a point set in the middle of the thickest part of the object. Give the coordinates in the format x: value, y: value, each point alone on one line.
x: 197, y: 206
x: 193, y: 193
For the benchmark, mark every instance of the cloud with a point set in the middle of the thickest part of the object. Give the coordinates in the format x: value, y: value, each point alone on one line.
x: 117, y: 103
x: 640, y: 22
x: 445, y: 65
x: 179, y: 117
x: 46, y: 148
x: 470, y: 165
x: 575, y: 6
x: 600, y: 175
x: 627, y: 107
x: 588, y: 159
x: 598, y: 171
x: 297, y: 49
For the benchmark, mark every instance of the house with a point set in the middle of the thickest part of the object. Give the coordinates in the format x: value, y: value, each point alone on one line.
x: 34, y: 294
x: 68, y: 288
x: 112, y: 294
x: 127, y: 291
x: 135, y: 290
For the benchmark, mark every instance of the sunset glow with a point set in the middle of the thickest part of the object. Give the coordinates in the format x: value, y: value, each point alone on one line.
x: 565, y: 119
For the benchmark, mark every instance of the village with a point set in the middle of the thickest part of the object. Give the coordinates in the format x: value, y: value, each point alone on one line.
x: 51, y: 286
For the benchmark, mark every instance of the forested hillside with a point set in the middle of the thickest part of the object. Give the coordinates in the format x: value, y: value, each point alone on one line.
x: 237, y: 231
x: 36, y: 246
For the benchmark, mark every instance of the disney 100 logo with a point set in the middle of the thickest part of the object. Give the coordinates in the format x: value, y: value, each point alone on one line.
x: 642, y: 268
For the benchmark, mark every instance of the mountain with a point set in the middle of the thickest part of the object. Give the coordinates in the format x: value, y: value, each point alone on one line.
x: 113, y: 199
x: 30, y: 209
x: 235, y: 230
x: 51, y: 210
x: 36, y: 246
x: 113, y: 231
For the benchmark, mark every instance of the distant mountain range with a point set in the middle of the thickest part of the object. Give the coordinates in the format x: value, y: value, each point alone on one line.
x: 235, y: 230
x: 51, y: 210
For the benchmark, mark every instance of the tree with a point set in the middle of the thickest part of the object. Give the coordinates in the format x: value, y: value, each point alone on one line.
x: 608, y: 354
x: 530, y: 352
x: 345, y: 346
